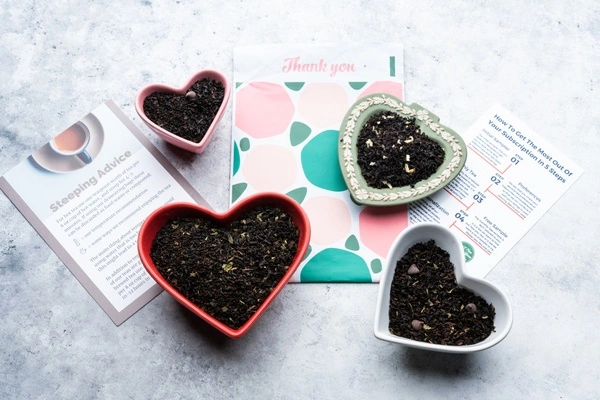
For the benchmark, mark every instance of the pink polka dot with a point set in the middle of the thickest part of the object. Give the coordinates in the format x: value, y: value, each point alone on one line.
x: 270, y: 168
x: 263, y: 109
x: 379, y: 226
x: 330, y: 219
x: 323, y: 105
x: 394, y: 88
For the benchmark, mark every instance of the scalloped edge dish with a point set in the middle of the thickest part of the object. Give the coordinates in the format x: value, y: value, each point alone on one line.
x: 455, y: 151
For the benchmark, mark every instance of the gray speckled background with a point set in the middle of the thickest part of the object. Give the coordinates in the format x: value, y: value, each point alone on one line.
x: 60, y: 59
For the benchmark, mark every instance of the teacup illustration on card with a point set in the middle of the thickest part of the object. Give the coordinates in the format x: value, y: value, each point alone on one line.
x: 74, y: 148
x: 73, y: 142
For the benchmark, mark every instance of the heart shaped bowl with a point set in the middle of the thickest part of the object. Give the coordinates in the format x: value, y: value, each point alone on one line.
x: 170, y: 137
x: 455, y: 151
x: 161, y: 217
x: 446, y: 240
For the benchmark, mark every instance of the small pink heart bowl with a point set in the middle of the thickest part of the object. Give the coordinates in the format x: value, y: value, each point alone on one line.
x: 170, y: 137
x: 161, y: 217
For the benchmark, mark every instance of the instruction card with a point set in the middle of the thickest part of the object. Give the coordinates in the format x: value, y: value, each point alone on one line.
x: 87, y: 192
x: 511, y: 178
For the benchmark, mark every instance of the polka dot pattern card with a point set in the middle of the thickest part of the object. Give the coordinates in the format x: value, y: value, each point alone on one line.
x: 288, y: 105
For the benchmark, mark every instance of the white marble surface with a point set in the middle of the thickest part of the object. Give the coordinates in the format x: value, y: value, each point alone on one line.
x: 60, y: 59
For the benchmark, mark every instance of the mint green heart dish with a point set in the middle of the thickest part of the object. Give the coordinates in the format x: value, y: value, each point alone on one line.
x: 455, y: 151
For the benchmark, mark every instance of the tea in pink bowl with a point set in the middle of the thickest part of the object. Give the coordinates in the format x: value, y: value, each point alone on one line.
x: 187, y: 116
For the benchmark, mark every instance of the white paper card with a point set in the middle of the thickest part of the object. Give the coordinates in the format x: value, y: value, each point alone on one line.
x: 511, y: 178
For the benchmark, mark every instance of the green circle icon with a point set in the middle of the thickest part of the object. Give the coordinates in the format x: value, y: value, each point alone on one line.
x: 469, y: 251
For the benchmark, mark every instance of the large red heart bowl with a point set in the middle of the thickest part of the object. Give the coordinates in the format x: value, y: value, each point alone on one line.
x: 162, y: 216
x: 170, y: 137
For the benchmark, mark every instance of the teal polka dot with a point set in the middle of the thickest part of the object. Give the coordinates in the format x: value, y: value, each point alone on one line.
x: 236, y: 158
x: 298, y: 194
x: 376, y: 266
x: 320, y: 163
x: 335, y: 265
x: 245, y: 144
x: 357, y: 85
x: 298, y: 133
x: 308, y: 250
x: 352, y: 243
x: 237, y: 190
x: 295, y: 86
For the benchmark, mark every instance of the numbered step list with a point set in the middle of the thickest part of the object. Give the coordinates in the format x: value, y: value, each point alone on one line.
x: 511, y: 178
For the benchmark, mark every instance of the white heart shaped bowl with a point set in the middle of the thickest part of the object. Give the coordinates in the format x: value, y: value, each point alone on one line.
x: 445, y: 239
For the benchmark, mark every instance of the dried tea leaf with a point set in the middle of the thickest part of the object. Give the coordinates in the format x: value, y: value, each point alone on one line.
x: 384, y: 164
x: 206, y: 266
x: 455, y: 315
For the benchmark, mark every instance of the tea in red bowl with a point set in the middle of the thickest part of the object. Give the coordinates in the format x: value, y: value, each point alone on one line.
x: 226, y: 268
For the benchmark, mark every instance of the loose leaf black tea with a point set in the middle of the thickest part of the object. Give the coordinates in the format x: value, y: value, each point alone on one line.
x: 228, y: 271
x: 188, y: 116
x: 392, y: 151
x: 426, y: 303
